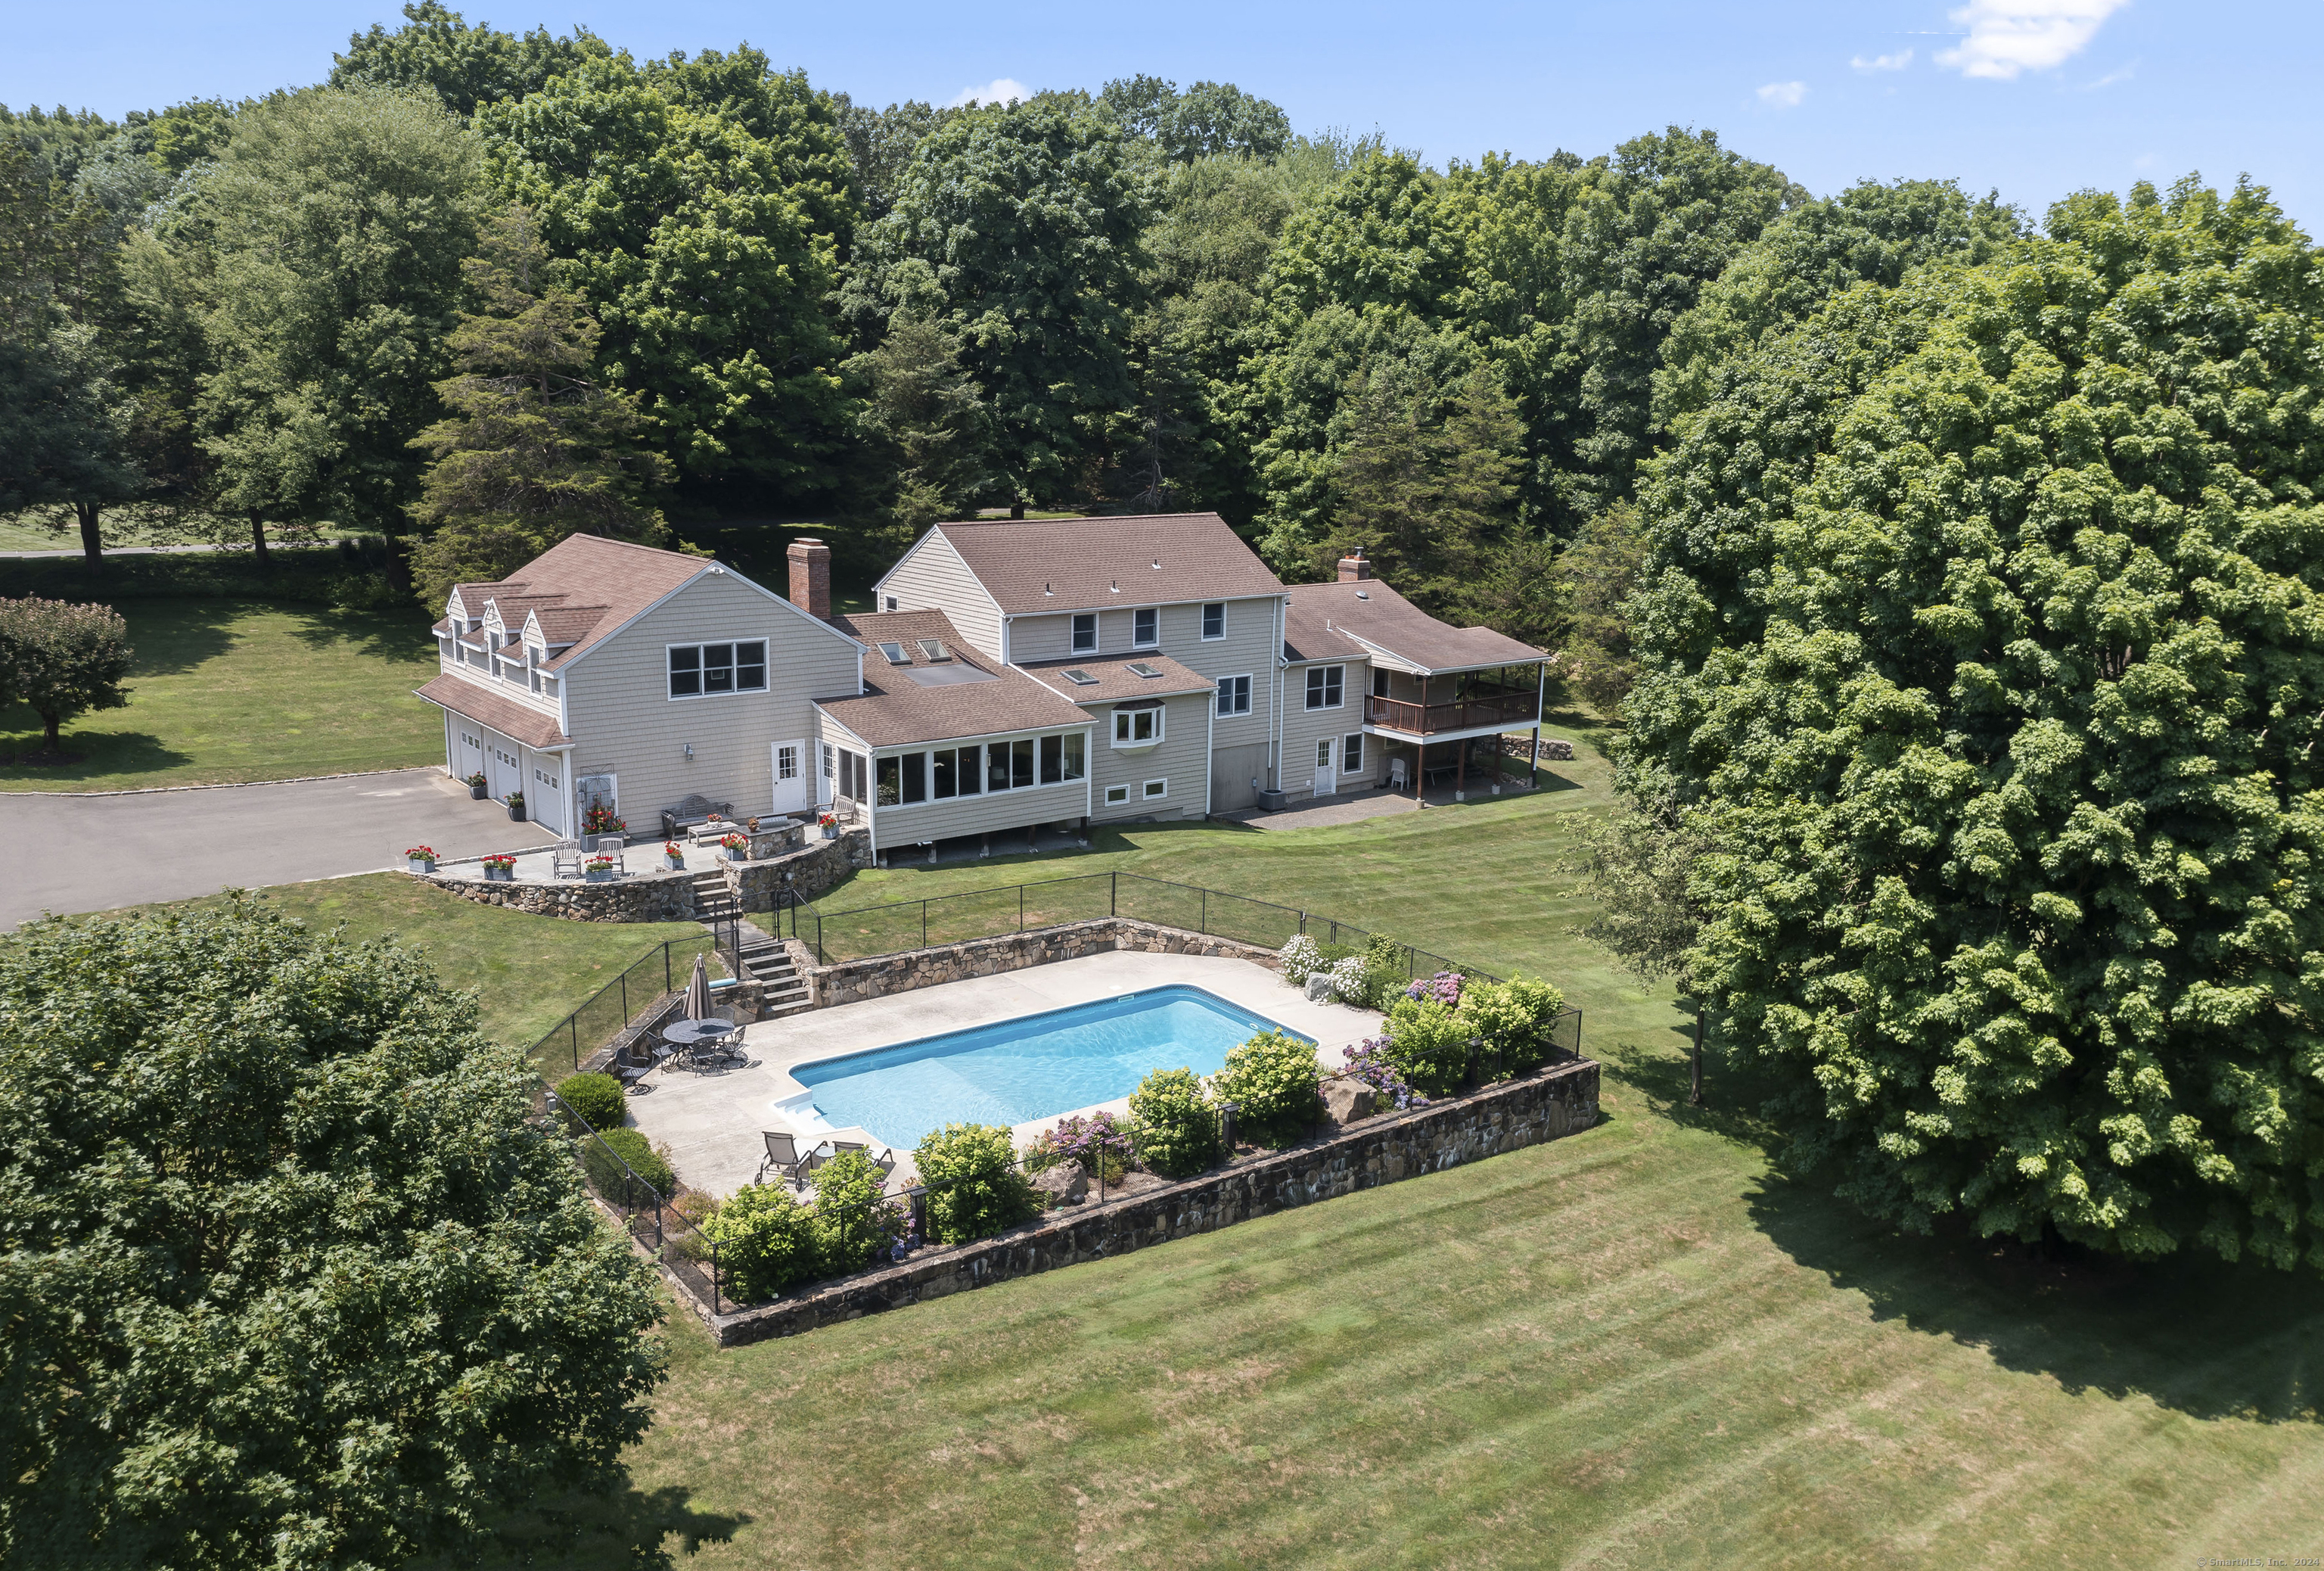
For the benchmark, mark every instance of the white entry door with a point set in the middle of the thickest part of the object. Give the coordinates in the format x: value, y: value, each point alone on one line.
x: 1325, y: 782
x: 793, y: 786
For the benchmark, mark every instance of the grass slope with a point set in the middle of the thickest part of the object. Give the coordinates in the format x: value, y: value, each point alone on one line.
x: 1640, y: 1345
x: 236, y: 689
x: 528, y: 972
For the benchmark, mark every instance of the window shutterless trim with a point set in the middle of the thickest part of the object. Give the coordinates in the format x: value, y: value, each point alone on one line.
x: 736, y: 668
x: 1117, y: 795
x: 1155, y: 789
x: 1241, y: 702
x: 1352, y: 747
x: 1219, y: 606
x: 1149, y: 614
x: 1332, y: 680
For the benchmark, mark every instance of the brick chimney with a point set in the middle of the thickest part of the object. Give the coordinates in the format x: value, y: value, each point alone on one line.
x: 1354, y: 569
x: 810, y: 561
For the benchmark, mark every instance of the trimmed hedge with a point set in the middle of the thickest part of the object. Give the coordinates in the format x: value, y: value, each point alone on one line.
x: 597, y: 1158
x: 596, y: 1097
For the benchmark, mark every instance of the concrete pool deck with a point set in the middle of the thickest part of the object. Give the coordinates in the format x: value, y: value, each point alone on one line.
x: 710, y: 1121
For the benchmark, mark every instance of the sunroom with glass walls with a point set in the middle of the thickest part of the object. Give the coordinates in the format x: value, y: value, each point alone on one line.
x: 929, y: 792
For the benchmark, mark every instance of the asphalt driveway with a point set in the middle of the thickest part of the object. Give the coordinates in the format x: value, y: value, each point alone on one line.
x: 72, y: 854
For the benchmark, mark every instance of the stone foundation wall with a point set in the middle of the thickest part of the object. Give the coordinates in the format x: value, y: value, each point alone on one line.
x: 639, y: 897
x: 849, y: 981
x: 1545, y: 1106
x: 811, y: 873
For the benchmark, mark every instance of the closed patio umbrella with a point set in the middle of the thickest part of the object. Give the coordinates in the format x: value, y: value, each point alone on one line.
x: 697, y: 991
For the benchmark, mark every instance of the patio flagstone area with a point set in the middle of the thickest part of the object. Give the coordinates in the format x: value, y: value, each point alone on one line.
x: 710, y: 1120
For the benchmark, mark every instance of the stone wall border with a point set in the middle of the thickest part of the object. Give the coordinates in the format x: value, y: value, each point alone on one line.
x: 883, y: 975
x: 1546, y: 1105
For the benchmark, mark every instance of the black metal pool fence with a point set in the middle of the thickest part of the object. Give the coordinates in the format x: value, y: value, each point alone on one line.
x: 614, y: 1007
x: 900, y: 927
x: 653, y: 1223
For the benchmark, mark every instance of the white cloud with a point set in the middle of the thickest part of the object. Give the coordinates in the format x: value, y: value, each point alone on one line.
x: 1882, y: 62
x: 2009, y: 36
x: 1783, y: 95
x: 1000, y: 90
x: 2111, y: 78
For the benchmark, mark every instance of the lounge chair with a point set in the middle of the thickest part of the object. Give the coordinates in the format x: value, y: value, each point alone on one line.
x: 783, y: 1157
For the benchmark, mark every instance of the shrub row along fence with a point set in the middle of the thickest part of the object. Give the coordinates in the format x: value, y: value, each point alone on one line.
x: 869, y: 932
x: 645, y: 1206
x: 614, y: 1007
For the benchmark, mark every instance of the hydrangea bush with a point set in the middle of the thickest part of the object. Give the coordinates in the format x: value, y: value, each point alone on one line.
x: 1302, y: 958
x: 1173, y: 1126
x: 1097, y: 1143
x: 1271, y: 1079
x: 1369, y: 1062
x: 1444, y: 988
x: 1352, y: 982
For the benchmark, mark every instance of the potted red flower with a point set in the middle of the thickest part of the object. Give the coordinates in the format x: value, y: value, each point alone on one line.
x: 421, y: 858
x: 500, y: 867
x: 477, y: 785
x: 829, y: 824
x: 673, y: 856
x: 598, y: 869
x: 737, y: 847
x: 516, y: 807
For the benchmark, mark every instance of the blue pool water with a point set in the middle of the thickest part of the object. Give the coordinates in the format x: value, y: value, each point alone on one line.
x: 1033, y: 1066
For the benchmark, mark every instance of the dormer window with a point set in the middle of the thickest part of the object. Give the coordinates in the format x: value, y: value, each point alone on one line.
x: 1146, y: 627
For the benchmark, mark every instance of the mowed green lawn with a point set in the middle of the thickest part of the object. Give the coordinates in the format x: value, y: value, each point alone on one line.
x: 227, y: 689
x: 527, y: 972
x: 1640, y: 1345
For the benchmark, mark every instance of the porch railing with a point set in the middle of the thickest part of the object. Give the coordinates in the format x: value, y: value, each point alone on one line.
x: 1506, y: 708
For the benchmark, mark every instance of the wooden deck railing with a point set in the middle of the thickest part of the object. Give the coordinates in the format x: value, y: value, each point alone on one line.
x: 1511, y: 707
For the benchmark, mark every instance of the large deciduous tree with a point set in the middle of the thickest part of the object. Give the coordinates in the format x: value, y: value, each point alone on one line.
x: 1017, y: 229
x: 467, y: 66
x: 695, y: 205
x: 322, y: 254
x: 290, y: 1275
x: 62, y: 659
x: 1984, y: 638
x: 534, y: 448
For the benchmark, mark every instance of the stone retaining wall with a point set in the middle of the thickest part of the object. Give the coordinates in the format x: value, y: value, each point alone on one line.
x: 1545, y: 1106
x: 849, y: 981
x: 811, y: 873
x: 639, y: 897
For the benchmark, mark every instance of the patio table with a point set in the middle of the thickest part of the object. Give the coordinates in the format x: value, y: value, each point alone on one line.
x: 691, y: 1035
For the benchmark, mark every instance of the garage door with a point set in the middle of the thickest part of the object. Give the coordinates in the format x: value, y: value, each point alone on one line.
x: 1233, y: 769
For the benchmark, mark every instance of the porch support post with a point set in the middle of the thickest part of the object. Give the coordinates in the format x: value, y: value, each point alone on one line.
x: 1461, y: 770
x: 1540, y: 697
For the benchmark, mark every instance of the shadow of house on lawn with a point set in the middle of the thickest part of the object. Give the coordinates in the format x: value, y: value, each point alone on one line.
x: 2191, y: 1332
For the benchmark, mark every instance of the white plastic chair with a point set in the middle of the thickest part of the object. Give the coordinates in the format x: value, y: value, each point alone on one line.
x: 1396, y: 778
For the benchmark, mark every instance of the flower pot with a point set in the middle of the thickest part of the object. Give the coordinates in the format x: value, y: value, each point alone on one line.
x: 499, y: 874
x: 476, y: 792
x: 831, y: 831
x: 734, y: 854
x: 675, y: 863
x: 599, y: 875
x: 421, y: 865
x: 516, y: 812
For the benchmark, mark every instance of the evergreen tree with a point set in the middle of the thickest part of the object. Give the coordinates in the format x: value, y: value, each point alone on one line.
x: 534, y: 448
x: 927, y: 425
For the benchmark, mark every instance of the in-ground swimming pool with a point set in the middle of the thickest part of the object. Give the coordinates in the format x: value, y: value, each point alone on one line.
x: 1033, y: 1066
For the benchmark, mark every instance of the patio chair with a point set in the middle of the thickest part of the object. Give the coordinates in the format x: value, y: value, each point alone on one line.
x: 886, y: 1164
x: 840, y: 1148
x: 782, y: 1156
x: 1396, y: 778
x: 564, y: 859
x: 616, y: 847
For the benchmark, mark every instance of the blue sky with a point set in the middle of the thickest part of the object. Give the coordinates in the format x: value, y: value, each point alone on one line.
x: 2034, y: 97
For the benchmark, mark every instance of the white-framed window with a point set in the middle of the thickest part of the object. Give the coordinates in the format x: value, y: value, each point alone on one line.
x: 1324, y: 684
x: 829, y: 762
x: 1234, y: 695
x: 1351, y: 752
x: 543, y: 777
x: 1146, y: 627
x: 1117, y: 795
x: 1137, y: 728
x: 977, y: 769
x: 786, y: 761
x: 1157, y: 789
x: 1085, y: 633
x: 703, y: 670
x: 891, y: 602
x: 1214, y: 619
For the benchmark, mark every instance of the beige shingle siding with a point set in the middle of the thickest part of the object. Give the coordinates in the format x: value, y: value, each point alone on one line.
x: 933, y: 577
x: 1303, y: 727
x: 1182, y: 757
x: 898, y: 828
x: 627, y: 724
x: 1248, y: 647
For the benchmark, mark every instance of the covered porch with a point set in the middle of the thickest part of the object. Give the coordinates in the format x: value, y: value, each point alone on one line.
x: 1437, y: 726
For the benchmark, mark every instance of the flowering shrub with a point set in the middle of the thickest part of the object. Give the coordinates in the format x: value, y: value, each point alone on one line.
x: 1444, y: 988
x: 766, y: 1241
x: 1097, y: 1143
x: 854, y: 1220
x: 974, y: 1189
x: 1369, y: 1062
x: 600, y: 821
x: 1302, y: 958
x: 1172, y: 1124
x: 1514, y: 1018
x: 1387, y: 967
x: 1352, y: 982
x: 1271, y: 1078
x: 420, y: 853
x: 1429, y: 1044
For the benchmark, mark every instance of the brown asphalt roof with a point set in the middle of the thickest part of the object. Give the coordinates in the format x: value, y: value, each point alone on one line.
x: 1075, y: 564
x: 581, y: 574
x: 1322, y: 612
x: 895, y: 710
x: 486, y: 707
x: 1116, y: 681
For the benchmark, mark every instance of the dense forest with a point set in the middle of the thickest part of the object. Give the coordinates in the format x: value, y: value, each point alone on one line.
x: 1956, y: 576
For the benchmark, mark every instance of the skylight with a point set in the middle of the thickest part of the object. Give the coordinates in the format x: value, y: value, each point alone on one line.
x: 1080, y: 677
x: 895, y: 654
x: 1140, y: 669
x: 934, y: 650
